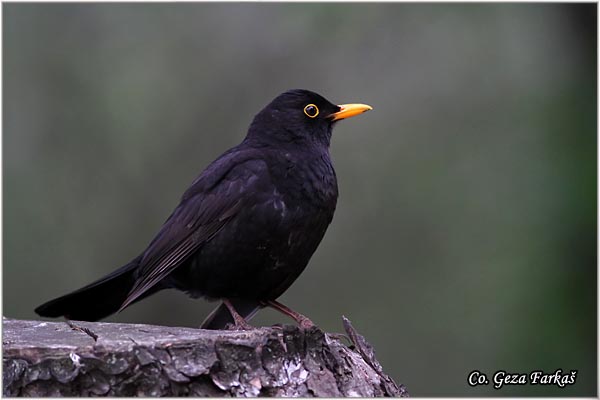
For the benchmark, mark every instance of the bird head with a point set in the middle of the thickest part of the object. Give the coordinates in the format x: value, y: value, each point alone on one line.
x: 302, y: 117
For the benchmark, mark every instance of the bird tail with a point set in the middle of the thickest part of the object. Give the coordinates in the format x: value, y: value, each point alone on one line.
x: 220, y: 316
x: 96, y: 300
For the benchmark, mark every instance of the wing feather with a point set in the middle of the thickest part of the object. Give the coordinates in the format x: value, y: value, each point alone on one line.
x: 195, y: 221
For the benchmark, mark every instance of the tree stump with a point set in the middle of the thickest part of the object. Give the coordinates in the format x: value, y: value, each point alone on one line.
x: 44, y: 359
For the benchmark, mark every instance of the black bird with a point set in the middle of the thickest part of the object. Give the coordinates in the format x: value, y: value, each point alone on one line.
x: 245, y: 229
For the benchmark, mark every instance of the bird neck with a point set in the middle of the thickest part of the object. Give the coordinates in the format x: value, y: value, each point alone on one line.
x: 267, y: 130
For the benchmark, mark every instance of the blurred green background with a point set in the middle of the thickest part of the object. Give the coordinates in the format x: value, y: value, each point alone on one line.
x: 465, y: 234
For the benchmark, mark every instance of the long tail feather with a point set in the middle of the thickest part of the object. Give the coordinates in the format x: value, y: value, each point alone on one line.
x: 96, y: 300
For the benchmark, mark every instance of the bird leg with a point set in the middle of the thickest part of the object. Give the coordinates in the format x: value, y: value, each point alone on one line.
x: 240, y: 322
x: 300, y: 319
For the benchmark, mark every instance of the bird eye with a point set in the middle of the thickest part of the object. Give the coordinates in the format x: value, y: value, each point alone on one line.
x: 311, y: 111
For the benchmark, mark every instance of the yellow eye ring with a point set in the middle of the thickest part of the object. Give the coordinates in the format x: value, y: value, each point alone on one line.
x: 311, y: 111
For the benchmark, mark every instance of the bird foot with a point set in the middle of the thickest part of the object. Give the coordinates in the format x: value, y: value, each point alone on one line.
x: 340, y: 336
x: 239, y: 326
x: 305, y: 323
x: 302, y: 321
x: 239, y: 322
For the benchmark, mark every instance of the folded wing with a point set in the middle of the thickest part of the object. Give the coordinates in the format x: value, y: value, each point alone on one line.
x: 204, y: 210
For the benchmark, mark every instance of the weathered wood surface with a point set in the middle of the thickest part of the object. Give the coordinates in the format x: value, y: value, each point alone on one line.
x: 54, y: 359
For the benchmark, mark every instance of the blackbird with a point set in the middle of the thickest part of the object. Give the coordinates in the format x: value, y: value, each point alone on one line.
x: 244, y: 230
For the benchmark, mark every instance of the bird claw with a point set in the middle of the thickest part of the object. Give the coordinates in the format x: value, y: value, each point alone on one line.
x: 340, y: 336
x: 239, y: 326
x: 305, y: 323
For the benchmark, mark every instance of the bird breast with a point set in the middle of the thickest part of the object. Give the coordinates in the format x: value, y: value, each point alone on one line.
x: 306, y: 180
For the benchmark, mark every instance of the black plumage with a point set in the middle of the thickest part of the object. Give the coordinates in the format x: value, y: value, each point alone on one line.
x: 246, y: 227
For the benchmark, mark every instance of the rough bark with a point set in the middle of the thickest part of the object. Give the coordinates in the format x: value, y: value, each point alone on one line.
x: 105, y: 359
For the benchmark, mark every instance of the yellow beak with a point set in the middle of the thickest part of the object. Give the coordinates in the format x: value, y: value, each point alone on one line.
x: 349, y: 110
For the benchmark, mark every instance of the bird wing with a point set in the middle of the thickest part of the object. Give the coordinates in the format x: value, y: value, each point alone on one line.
x: 212, y: 200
